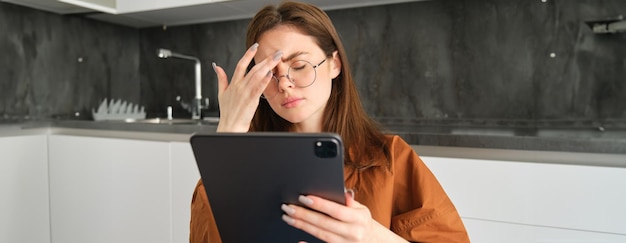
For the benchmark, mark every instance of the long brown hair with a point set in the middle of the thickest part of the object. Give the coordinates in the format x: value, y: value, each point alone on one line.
x: 344, y: 113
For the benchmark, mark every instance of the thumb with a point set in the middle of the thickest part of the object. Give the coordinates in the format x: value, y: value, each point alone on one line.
x: 349, y: 193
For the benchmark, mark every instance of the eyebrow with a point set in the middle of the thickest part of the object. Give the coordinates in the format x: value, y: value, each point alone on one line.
x: 294, y: 55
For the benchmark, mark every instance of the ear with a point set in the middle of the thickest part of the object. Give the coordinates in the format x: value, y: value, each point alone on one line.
x: 335, y: 65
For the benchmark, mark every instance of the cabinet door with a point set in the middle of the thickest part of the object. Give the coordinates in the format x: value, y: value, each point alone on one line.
x: 487, y: 231
x: 109, y: 190
x: 535, y: 202
x: 24, y: 209
x: 185, y: 176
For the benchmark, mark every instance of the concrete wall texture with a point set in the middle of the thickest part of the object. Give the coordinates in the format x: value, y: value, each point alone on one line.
x: 441, y: 59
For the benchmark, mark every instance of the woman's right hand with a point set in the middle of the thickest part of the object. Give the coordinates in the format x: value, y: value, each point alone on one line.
x: 239, y: 99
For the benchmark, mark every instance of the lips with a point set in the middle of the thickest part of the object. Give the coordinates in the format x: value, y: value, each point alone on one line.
x: 291, y: 102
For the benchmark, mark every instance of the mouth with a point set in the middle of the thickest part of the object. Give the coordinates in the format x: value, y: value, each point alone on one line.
x: 291, y: 102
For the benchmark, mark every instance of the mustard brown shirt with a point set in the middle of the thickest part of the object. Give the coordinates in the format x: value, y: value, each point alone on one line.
x: 405, y: 197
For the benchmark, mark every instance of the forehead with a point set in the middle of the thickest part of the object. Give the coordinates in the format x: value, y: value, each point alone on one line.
x: 288, y: 39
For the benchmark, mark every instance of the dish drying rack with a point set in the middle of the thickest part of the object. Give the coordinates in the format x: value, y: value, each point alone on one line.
x: 118, y: 110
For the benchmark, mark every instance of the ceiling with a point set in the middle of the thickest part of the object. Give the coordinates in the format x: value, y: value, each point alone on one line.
x: 212, y: 11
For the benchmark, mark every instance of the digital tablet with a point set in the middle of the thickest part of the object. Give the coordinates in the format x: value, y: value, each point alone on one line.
x: 247, y: 176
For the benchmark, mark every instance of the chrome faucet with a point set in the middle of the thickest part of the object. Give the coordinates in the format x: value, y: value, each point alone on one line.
x: 196, y: 109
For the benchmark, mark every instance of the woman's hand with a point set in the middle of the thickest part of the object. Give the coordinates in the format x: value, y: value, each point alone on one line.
x: 350, y: 223
x: 239, y: 99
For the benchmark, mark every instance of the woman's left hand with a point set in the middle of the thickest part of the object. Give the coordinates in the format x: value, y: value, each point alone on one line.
x: 337, y: 223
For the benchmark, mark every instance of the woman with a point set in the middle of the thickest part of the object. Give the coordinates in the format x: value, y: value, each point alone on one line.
x: 295, y: 77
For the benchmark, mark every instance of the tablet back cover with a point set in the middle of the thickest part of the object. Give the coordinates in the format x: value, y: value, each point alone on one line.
x: 247, y: 176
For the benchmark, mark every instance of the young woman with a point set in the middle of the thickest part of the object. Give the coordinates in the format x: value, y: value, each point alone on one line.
x: 295, y: 77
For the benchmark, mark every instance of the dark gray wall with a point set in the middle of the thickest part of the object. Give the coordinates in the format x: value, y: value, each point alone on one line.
x: 442, y: 59
x: 164, y: 79
x: 40, y: 73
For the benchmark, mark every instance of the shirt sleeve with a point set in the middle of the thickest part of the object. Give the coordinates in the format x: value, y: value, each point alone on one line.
x: 202, y: 227
x: 424, y: 212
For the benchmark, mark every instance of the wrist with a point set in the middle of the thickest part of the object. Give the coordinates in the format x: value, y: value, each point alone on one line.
x: 388, y: 235
x: 236, y: 129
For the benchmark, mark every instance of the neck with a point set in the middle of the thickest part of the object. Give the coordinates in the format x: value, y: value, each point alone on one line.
x: 308, y: 127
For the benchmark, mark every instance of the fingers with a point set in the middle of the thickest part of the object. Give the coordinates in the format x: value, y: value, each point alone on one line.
x: 326, y: 225
x: 243, y: 63
x: 260, y: 70
x: 349, y: 193
x: 256, y: 79
x: 333, y: 209
x: 238, y: 96
x: 330, y: 220
x: 222, y: 78
x: 260, y: 75
x: 311, y: 222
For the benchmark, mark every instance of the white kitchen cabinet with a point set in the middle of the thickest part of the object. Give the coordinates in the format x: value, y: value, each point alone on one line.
x: 504, y: 201
x: 109, y: 190
x: 185, y: 176
x: 486, y: 231
x: 74, y: 188
x: 24, y: 209
x: 129, y: 6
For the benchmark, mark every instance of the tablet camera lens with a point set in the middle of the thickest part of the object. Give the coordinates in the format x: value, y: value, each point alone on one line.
x: 325, y: 149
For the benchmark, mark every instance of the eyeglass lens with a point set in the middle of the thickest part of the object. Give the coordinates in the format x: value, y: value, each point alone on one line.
x: 301, y: 74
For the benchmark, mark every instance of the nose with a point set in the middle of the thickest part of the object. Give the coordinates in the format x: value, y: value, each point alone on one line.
x: 283, y: 80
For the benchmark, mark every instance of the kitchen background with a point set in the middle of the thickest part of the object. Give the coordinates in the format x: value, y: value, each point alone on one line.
x: 487, y: 62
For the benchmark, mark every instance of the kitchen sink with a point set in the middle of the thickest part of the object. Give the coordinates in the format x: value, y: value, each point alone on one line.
x: 176, y: 121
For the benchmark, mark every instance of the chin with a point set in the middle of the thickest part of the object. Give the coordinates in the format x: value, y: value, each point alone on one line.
x: 294, y: 118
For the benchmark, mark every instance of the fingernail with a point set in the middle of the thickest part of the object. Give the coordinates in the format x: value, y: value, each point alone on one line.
x: 214, y: 66
x: 269, y: 73
x: 288, y: 220
x: 287, y: 209
x: 253, y: 46
x: 305, y: 200
x: 349, y: 191
x: 277, y: 55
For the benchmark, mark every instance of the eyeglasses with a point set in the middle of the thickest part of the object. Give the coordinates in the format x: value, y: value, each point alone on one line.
x: 301, y: 73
